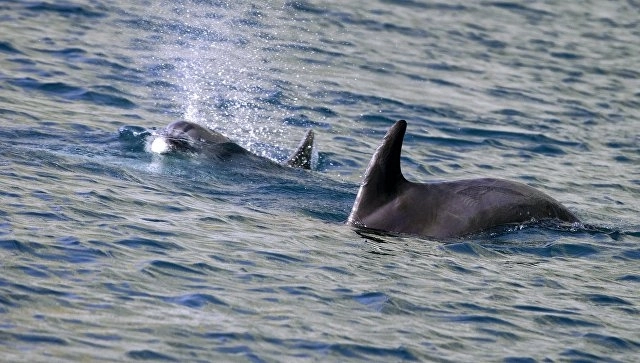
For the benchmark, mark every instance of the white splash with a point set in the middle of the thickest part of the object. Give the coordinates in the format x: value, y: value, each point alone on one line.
x: 224, y: 63
x: 159, y: 145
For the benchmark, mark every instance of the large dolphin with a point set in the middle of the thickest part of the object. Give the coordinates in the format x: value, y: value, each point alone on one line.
x: 388, y: 202
x: 184, y: 136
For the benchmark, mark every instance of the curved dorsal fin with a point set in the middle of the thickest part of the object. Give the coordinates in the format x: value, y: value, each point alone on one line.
x: 301, y: 158
x: 383, y: 175
x: 383, y: 172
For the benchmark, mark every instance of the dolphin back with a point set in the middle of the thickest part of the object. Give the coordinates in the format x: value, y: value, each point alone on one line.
x: 387, y: 202
x: 185, y: 136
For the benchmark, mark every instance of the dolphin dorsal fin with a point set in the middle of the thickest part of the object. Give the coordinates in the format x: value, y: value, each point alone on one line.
x: 383, y: 173
x: 301, y: 158
x: 382, y: 178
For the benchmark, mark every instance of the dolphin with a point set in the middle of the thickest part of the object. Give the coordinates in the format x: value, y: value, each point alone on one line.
x: 387, y: 202
x: 185, y: 136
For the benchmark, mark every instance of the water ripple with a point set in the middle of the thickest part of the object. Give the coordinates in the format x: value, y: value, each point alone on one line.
x: 66, y: 9
x: 73, y: 93
x: 150, y: 355
x: 195, y: 301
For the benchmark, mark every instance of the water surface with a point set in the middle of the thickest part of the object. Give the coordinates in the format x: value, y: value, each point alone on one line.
x: 111, y: 254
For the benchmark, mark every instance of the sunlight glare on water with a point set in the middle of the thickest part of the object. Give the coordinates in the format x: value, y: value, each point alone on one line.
x: 223, y: 59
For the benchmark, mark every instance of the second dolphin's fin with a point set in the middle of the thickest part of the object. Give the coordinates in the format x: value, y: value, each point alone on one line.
x: 301, y: 158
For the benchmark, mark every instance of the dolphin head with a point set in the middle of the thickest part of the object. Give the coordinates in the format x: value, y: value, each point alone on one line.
x: 191, y: 138
x: 184, y: 136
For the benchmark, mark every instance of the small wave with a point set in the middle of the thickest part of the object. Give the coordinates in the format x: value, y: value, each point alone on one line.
x: 67, y: 9
x: 7, y: 47
x: 612, y: 341
x: 601, y: 299
x: 74, y: 93
x: 32, y: 338
x: 148, y: 245
x: 564, y: 321
x: 150, y: 355
x: 195, y: 301
x: 529, y: 12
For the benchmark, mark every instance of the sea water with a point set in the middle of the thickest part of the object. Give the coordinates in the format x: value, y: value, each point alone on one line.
x: 109, y: 253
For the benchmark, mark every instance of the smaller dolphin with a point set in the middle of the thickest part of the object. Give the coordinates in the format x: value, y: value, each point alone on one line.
x: 388, y: 202
x: 184, y: 136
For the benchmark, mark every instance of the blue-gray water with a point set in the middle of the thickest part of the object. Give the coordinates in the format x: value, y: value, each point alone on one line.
x: 110, y: 254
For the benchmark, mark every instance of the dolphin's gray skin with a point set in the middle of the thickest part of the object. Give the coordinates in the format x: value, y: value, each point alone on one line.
x: 388, y: 202
x: 184, y: 136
